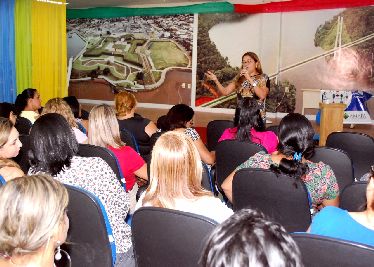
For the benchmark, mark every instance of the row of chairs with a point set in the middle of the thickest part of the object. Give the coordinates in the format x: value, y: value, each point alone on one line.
x: 231, y: 153
x: 183, y: 242
x: 187, y: 233
x: 285, y: 199
x: 358, y: 146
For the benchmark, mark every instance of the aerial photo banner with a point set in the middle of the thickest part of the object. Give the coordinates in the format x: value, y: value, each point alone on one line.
x: 330, y: 49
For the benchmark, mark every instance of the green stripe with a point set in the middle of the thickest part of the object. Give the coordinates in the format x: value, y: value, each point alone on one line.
x: 23, y: 47
x: 113, y: 12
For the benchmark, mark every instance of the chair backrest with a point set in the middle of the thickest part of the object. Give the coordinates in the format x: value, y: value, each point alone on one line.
x: 340, y: 163
x: 207, y: 180
x: 280, y: 197
x: 90, y: 241
x: 230, y: 154
x: 2, y: 181
x: 86, y: 150
x: 353, y: 197
x: 359, y: 146
x: 214, y: 131
x: 274, y: 129
x: 128, y: 138
x: 164, y: 237
x: 326, y: 251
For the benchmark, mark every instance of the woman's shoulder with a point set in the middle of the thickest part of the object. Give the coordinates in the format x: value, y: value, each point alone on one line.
x: 320, y: 168
x: 93, y: 166
x: 329, y: 214
x: 213, y: 207
x: 191, y: 132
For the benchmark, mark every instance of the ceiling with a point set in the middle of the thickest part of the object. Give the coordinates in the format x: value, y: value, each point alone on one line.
x: 151, y: 3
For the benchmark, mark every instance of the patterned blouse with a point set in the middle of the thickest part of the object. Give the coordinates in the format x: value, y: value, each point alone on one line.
x: 192, y: 133
x: 320, y: 179
x: 96, y: 176
x: 245, y: 89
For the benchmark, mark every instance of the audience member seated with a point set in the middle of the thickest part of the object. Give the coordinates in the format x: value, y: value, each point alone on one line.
x: 352, y: 226
x: 27, y: 104
x: 180, y: 118
x: 59, y: 106
x: 9, y: 169
x: 7, y: 111
x: 162, y: 123
x: 53, y: 149
x: 248, y: 239
x: 140, y: 127
x: 9, y: 139
x: 104, y: 132
x: 294, y: 149
x: 80, y: 115
x: 33, y: 221
x: 175, y: 179
x: 250, y: 126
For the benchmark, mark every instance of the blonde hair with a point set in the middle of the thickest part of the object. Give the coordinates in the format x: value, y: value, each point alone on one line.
x: 32, y: 210
x: 59, y: 106
x: 103, y: 127
x: 176, y: 171
x: 8, y: 163
x: 5, y: 128
x: 124, y: 103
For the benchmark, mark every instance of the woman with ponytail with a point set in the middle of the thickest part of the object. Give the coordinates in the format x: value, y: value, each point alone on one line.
x: 294, y: 150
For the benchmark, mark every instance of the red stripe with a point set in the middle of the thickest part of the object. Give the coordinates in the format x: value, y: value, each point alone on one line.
x: 300, y: 5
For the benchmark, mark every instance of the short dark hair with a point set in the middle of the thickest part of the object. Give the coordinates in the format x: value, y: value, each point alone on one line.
x: 249, y: 117
x: 5, y: 109
x: 52, y: 144
x: 162, y: 123
x: 22, y: 98
x: 247, y: 238
x: 72, y: 101
x: 295, y: 136
x: 179, y: 115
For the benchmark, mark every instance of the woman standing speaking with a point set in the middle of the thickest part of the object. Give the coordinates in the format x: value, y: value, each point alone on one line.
x: 250, y: 82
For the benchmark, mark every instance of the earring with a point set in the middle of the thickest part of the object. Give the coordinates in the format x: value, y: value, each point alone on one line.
x: 58, y: 255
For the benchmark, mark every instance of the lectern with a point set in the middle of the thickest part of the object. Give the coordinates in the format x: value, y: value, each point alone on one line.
x: 332, y: 116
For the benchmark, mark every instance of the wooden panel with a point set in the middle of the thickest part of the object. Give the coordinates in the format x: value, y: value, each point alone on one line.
x: 331, y: 120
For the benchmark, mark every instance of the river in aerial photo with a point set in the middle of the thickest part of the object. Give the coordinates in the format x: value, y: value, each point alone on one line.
x: 282, y: 40
x: 75, y: 44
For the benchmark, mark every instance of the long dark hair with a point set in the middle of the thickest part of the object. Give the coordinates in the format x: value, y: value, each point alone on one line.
x: 247, y: 118
x: 295, y: 140
x: 52, y: 144
x: 22, y: 98
x: 178, y: 116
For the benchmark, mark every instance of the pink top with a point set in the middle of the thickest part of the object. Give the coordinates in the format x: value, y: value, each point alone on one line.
x: 267, y: 139
x: 129, y: 162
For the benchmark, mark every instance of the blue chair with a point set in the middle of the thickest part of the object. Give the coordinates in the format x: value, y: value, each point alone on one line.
x: 81, y: 128
x: 129, y: 139
x: 2, y: 181
x: 90, y: 238
x: 207, y: 180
